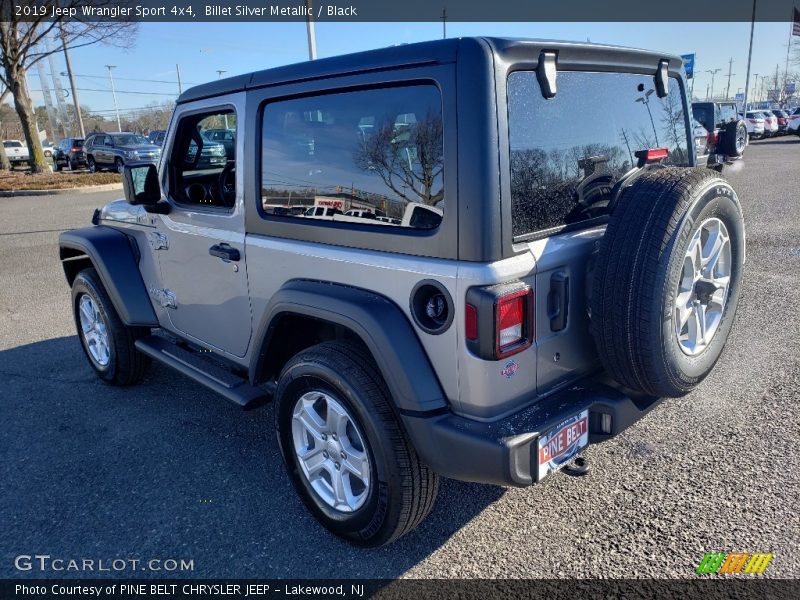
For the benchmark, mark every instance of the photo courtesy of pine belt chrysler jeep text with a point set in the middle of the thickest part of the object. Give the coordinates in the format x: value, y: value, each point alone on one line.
x: 412, y: 310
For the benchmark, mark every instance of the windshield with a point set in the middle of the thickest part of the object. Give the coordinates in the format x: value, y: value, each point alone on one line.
x: 129, y: 140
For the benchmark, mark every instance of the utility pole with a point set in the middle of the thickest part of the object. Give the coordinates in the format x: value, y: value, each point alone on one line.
x: 749, y: 59
x: 713, y: 75
x: 755, y: 88
x: 312, y: 36
x: 444, y: 23
x: 178, y: 71
x: 728, y: 89
x: 219, y: 76
x: 75, y: 101
x: 114, y: 95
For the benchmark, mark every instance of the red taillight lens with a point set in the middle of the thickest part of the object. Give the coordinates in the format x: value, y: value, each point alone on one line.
x: 471, y: 323
x: 76, y: 150
x: 513, y: 320
x: 656, y: 154
x: 712, y: 137
x: 753, y: 121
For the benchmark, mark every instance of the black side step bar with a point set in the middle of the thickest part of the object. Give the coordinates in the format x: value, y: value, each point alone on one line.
x: 204, y: 371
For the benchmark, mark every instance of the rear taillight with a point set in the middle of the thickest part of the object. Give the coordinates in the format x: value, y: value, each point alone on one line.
x: 498, y: 320
x: 76, y: 150
x: 471, y: 323
x: 753, y: 121
x: 510, y: 328
x: 713, y: 138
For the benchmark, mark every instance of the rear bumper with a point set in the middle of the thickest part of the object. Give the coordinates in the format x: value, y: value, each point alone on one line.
x: 504, y: 452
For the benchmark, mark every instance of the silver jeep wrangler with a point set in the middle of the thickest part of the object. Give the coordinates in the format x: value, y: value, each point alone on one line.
x: 464, y: 258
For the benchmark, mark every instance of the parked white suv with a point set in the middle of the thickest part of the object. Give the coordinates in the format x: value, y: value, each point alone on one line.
x: 755, y: 123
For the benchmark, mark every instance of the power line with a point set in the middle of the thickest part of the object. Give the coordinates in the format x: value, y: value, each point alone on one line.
x: 108, y: 91
x: 173, y: 82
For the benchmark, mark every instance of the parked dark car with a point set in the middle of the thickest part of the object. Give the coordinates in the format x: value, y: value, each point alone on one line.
x: 212, y: 155
x: 727, y: 132
x: 113, y: 150
x: 226, y: 137
x: 69, y: 153
x: 157, y: 137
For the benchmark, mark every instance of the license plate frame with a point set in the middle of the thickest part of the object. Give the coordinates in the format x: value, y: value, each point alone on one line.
x: 561, y: 444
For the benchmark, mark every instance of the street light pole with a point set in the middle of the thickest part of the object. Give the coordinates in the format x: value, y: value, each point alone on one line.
x: 75, y: 101
x: 312, y: 36
x: 219, y: 76
x: 114, y: 94
x: 713, y: 75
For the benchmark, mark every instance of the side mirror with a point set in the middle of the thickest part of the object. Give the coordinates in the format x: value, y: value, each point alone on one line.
x: 140, y: 182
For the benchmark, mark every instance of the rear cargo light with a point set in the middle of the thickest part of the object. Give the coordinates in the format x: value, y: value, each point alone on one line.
x: 498, y: 319
x: 651, y: 155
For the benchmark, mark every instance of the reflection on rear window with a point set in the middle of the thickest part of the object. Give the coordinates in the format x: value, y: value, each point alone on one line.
x: 371, y: 157
x: 566, y: 154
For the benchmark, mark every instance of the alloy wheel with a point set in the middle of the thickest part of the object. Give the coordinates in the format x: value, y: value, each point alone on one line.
x: 94, y: 330
x: 703, y: 287
x: 330, y: 451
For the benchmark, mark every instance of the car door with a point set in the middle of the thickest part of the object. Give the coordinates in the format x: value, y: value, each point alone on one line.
x: 200, y: 243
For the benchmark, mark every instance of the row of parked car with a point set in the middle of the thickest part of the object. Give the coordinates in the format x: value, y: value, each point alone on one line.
x: 111, y: 151
x: 721, y: 131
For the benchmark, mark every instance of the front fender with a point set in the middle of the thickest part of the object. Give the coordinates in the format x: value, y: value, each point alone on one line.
x: 114, y: 257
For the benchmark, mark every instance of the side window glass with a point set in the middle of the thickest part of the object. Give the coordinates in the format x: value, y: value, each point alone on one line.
x: 369, y: 157
x: 202, y: 171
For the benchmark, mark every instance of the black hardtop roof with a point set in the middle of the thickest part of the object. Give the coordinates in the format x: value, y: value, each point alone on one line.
x: 432, y: 52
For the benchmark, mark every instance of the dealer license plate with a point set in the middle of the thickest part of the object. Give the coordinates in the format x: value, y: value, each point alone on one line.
x: 560, y: 445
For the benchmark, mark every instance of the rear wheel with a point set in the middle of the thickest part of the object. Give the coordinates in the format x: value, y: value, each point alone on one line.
x: 667, y: 280
x: 92, y: 165
x: 118, y: 165
x: 346, y: 453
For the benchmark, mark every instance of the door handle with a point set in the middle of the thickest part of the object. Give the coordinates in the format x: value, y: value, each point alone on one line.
x: 224, y: 251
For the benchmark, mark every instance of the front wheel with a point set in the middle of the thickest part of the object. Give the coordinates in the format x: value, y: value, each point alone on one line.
x: 107, y: 342
x: 345, y: 450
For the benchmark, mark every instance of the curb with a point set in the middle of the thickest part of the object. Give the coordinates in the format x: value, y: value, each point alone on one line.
x: 106, y: 187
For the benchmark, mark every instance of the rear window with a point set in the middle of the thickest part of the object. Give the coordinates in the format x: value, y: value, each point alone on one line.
x: 567, y: 152
x: 376, y: 156
x: 12, y: 144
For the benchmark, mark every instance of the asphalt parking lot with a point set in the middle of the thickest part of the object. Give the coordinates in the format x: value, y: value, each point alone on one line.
x: 168, y: 470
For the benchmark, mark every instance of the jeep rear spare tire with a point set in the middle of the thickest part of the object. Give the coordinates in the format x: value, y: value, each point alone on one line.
x: 734, y: 139
x: 667, y: 280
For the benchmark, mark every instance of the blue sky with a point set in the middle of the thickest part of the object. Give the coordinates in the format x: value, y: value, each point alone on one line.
x: 202, y: 48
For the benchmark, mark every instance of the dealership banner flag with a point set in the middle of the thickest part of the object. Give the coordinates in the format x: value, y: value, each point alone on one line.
x: 688, y: 64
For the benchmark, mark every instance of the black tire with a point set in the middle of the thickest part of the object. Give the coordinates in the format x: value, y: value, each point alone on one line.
x: 92, y: 165
x: 403, y: 489
x: 734, y: 139
x: 639, y: 265
x: 118, y: 165
x: 126, y: 365
x: 56, y: 166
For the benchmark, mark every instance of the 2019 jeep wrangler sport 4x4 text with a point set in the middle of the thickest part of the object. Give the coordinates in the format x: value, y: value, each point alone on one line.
x: 519, y: 259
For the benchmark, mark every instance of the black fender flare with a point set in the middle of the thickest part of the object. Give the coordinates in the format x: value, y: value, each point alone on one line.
x: 377, y: 321
x: 115, y: 257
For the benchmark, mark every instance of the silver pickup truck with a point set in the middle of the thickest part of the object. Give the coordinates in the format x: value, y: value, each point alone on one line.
x: 16, y: 151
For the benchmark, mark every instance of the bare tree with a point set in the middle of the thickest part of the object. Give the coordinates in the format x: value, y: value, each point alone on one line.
x: 4, y: 164
x: 20, y: 38
x: 408, y: 158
